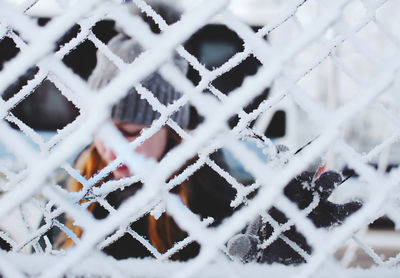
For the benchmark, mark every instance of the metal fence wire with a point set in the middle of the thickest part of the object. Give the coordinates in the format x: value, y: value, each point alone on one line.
x: 331, y: 68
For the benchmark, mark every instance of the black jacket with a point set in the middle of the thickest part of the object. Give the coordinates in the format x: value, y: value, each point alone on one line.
x: 209, y: 195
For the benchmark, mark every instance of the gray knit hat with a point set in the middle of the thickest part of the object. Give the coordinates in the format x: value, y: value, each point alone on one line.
x: 132, y: 108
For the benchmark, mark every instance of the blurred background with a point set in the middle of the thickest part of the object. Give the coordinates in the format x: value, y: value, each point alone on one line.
x: 331, y: 83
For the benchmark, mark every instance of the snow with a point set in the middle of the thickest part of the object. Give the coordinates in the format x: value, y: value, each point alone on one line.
x: 98, y: 264
x: 289, y: 63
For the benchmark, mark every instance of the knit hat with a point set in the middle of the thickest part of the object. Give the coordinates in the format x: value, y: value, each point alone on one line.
x: 132, y: 108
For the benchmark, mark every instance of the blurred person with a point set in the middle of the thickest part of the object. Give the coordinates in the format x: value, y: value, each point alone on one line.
x: 205, y: 192
x: 130, y: 115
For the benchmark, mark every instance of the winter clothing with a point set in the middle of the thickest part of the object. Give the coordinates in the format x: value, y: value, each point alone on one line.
x: 133, y: 108
x: 301, y: 190
x: 205, y: 186
x: 205, y: 192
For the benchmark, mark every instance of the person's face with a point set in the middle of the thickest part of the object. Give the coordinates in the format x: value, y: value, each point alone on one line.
x: 153, y: 147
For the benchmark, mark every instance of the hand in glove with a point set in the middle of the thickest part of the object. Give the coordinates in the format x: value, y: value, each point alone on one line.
x: 280, y: 246
x: 301, y: 190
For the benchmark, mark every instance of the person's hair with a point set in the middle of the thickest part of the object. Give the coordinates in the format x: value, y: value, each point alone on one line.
x: 163, y: 233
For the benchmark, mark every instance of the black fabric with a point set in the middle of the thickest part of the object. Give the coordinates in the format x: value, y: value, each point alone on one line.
x: 4, y: 245
x: 209, y: 193
x: 126, y: 246
x: 301, y: 190
x: 115, y: 199
x: 278, y: 251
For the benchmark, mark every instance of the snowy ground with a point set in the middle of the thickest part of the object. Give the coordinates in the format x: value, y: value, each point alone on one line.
x: 97, y: 265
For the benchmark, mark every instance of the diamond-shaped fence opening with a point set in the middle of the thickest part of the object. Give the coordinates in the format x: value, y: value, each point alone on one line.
x: 46, y: 108
x: 213, y: 49
x: 230, y: 139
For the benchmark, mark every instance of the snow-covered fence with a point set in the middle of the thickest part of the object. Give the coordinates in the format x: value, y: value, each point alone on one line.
x: 332, y: 66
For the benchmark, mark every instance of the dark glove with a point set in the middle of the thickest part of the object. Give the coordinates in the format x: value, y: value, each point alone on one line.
x: 248, y: 247
x: 301, y: 189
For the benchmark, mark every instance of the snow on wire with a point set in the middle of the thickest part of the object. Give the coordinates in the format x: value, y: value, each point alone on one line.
x: 332, y: 66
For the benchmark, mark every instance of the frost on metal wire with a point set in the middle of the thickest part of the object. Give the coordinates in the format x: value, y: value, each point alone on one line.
x: 331, y: 66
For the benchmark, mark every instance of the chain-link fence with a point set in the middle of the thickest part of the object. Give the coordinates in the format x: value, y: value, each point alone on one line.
x: 320, y: 77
